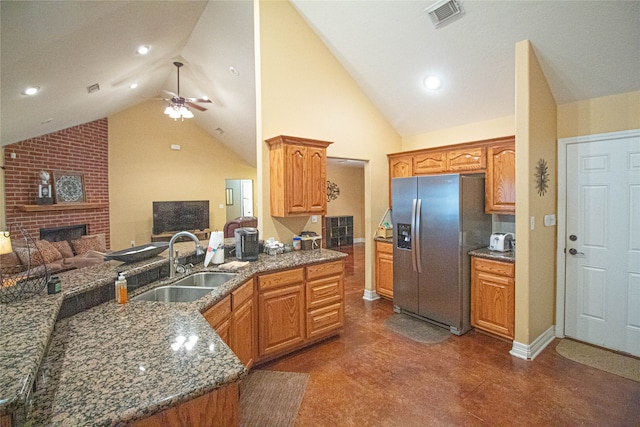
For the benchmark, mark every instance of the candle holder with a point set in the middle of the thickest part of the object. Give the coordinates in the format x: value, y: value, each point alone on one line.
x: 44, y: 190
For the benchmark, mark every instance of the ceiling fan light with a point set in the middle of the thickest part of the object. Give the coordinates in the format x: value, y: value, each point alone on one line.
x: 174, y: 114
x: 187, y: 114
x: 168, y: 110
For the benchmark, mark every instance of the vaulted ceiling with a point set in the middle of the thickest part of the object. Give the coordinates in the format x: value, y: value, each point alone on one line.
x: 587, y: 49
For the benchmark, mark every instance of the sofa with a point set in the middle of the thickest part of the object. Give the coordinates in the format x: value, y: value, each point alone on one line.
x: 59, y: 255
x: 239, y: 222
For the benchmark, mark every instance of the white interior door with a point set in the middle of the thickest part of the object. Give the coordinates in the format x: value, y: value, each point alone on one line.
x: 602, y: 260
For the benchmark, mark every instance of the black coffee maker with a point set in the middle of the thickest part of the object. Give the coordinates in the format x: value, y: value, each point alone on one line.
x: 247, y: 243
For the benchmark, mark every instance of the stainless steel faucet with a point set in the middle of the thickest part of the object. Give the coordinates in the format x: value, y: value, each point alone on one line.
x: 199, y: 251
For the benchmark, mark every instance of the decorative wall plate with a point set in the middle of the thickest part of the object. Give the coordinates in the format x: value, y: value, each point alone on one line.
x: 542, y: 177
x: 68, y: 187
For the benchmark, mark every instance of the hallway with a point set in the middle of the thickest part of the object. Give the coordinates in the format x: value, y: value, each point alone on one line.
x: 370, y: 376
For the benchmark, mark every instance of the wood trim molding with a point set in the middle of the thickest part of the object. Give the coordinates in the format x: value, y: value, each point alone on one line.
x: 530, y: 351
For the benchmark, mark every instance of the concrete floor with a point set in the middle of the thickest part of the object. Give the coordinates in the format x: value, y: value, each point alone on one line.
x: 370, y: 376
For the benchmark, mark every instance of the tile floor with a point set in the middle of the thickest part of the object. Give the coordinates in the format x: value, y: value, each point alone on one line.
x: 369, y: 376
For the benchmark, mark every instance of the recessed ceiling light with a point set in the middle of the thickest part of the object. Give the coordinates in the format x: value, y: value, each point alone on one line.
x: 133, y: 85
x: 143, y: 50
x: 233, y: 71
x: 432, y: 82
x: 31, y: 90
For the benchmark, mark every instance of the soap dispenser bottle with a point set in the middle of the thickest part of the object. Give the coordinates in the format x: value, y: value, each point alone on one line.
x: 121, y: 289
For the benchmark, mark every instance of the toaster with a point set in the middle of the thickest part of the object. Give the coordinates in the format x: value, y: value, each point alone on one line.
x: 500, y: 242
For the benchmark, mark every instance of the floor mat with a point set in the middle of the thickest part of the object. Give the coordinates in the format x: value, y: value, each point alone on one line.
x: 271, y: 398
x: 416, y: 329
x: 609, y: 361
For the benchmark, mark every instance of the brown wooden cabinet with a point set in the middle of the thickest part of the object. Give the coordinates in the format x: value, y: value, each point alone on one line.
x: 243, y: 324
x: 297, y: 176
x: 233, y: 318
x: 324, y: 299
x: 399, y: 167
x: 467, y: 160
x: 219, y: 317
x: 384, y: 269
x: 430, y: 162
x: 281, y: 312
x: 494, y: 156
x: 493, y: 296
x: 500, y: 187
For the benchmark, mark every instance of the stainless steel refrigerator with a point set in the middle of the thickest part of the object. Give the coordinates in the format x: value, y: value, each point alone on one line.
x: 437, y: 219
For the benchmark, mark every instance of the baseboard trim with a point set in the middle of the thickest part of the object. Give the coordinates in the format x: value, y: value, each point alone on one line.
x: 370, y: 295
x: 359, y: 240
x: 529, y: 352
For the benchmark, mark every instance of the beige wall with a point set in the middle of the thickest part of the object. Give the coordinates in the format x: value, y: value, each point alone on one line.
x: 495, y: 128
x: 143, y: 168
x: 536, y: 136
x: 350, y: 180
x: 305, y: 92
x: 612, y: 113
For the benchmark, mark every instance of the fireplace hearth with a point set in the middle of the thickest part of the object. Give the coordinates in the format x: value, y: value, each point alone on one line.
x: 71, y: 232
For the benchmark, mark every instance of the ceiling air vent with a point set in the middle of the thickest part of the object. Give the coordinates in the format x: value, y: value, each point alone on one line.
x: 444, y: 12
x: 93, y: 88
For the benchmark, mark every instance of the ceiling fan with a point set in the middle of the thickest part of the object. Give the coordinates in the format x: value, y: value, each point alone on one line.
x: 178, y: 107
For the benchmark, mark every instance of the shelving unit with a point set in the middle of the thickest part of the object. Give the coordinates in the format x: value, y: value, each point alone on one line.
x: 338, y: 231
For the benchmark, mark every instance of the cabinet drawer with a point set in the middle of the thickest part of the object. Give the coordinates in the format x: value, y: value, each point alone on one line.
x: 382, y: 247
x: 218, y: 312
x: 324, y: 320
x: 275, y: 280
x: 327, y: 269
x: 495, y: 267
x: 324, y: 291
x: 242, y: 294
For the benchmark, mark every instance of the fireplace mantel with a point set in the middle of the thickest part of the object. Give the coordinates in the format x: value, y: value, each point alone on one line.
x: 61, y: 207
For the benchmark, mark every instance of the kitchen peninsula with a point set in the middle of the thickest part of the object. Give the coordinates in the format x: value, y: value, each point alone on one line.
x: 119, y: 364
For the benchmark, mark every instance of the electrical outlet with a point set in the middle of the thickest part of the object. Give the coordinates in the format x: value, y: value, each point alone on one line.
x: 314, y: 218
x: 133, y: 243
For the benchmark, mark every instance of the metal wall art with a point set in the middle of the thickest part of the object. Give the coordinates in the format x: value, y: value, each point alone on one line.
x: 542, y: 177
x: 333, y: 191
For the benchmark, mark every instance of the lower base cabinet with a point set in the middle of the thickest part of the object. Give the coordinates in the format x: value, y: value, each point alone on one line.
x: 233, y: 319
x: 219, y: 407
x: 493, y: 296
x: 280, y: 312
x: 384, y: 269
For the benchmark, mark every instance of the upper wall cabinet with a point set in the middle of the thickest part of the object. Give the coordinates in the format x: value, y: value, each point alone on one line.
x: 496, y: 157
x: 298, y: 176
x: 500, y: 187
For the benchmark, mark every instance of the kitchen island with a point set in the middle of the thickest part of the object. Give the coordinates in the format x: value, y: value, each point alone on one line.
x: 115, y: 364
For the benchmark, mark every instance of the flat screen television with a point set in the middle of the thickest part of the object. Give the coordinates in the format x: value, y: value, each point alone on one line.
x: 180, y: 216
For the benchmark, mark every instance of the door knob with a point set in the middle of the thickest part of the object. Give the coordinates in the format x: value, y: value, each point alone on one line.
x: 573, y: 251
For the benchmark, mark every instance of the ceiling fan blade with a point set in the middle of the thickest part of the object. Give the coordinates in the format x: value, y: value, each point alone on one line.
x: 171, y: 94
x: 199, y: 100
x: 196, y: 106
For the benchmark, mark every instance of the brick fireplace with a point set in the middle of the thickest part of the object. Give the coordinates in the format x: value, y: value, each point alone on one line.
x: 83, y: 149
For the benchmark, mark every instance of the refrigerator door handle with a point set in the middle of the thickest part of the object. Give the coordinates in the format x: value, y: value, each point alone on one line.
x: 413, y: 235
x: 416, y: 241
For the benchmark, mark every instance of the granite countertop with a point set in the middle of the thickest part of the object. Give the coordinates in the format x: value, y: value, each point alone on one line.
x: 92, y: 372
x: 384, y: 239
x: 509, y: 256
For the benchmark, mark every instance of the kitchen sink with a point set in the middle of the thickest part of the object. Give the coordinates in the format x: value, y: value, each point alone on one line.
x: 205, y: 279
x: 173, y: 294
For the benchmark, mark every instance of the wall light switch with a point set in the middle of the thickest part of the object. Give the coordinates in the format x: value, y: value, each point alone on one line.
x: 549, y: 220
x: 175, y: 146
x: 221, y: 206
x: 532, y: 222
x: 13, y: 155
